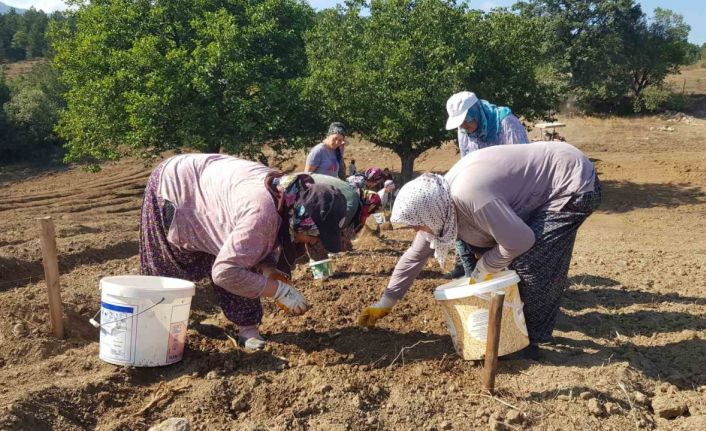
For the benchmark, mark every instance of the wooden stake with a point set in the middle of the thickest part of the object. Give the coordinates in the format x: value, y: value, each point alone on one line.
x: 495, y: 316
x: 51, y: 275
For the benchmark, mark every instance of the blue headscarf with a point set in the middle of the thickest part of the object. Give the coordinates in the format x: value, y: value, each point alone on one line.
x: 488, y: 118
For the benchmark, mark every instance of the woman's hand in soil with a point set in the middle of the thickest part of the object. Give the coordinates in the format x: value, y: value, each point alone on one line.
x: 370, y: 315
x: 289, y: 299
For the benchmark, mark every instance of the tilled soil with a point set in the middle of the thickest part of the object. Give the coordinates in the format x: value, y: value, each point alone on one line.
x: 631, y: 340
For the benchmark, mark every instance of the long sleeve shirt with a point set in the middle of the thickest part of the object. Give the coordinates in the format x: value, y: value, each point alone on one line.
x: 495, y: 191
x: 511, y: 132
x: 223, y: 208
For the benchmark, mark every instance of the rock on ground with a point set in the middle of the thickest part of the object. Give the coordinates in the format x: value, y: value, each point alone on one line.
x: 668, y: 407
x: 172, y: 424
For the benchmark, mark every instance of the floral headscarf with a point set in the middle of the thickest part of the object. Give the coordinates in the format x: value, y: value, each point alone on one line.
x: 426, y: 201
x: 290, y: 188
x: 360, y: 180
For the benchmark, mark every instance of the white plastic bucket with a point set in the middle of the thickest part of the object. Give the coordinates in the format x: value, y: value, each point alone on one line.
x: 144, y: 319
x: 465, y: 308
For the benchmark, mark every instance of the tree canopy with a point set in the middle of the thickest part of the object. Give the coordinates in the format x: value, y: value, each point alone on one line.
x: 389, y: 74
x: 23, y: 36
x: 609, y: 50
x: 146, y: 75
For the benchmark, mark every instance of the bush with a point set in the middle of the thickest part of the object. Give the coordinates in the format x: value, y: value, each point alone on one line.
x: 659, y: 98
x: 31, y: 113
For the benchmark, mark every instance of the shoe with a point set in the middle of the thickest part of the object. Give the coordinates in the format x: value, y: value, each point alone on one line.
x: 532, y: 352
x: 252, y: 343
x: 455, y: 273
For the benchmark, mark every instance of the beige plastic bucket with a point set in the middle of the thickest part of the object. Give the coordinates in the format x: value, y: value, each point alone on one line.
x: 465, y: 308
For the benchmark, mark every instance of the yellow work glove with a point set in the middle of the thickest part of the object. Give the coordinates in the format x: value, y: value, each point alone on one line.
x: 481, y: 273
x: 370, y: 315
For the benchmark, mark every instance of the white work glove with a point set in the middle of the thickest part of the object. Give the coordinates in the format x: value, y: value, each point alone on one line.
x: 370, y: 315
x: 289, y: 299
x: 481, y: 273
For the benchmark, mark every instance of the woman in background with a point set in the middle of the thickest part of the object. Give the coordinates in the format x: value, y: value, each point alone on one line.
x: 327, y: 157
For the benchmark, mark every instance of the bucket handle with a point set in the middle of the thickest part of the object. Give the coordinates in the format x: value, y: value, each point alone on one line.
x: 96, y: 324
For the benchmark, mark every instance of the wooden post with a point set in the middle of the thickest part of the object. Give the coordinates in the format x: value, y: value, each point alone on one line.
x: 495, y: 316
x: 51, y: 275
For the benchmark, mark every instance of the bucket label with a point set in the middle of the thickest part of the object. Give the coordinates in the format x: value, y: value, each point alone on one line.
x: 177, y: 338
x: 118, y: 332
x: 477, y: 325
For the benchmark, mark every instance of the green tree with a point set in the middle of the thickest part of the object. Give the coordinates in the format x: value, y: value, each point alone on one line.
x: 153, y: 75
x: 508, y: 66
x: 4, y: 126
x: 31, y: 113
x: 389, y: 74
x: 609, y: 49
x: 661, y: 48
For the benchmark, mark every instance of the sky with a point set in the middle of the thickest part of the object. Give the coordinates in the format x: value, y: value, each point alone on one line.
x: 694, y: 11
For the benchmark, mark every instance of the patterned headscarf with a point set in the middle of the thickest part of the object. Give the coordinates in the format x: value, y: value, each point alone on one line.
x: 374, y: 174
x: 360, y: 180
x: 291, y: 187
x: 426, y: 201
x: 357, y: 180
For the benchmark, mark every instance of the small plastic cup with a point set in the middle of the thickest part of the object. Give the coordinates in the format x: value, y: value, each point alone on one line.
x: 321, y: 269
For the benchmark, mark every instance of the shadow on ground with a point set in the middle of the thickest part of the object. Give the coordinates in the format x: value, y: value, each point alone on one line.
x: 18, y: 272
x: 624, y: 196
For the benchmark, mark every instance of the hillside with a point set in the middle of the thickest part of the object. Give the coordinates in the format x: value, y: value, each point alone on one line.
x: 4, y: 8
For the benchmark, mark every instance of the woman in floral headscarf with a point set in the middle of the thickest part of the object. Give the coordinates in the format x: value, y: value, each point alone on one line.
x: 217, y: 216
x: 368, y: 180
x: 524, y: 216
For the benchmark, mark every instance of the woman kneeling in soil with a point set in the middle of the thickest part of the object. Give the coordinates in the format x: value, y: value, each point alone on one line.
x: 211, y: 215
x: 521, y: 204
x: 357, y: 211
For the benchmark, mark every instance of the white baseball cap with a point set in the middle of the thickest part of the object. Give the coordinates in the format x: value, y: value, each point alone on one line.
x: 457, y: 106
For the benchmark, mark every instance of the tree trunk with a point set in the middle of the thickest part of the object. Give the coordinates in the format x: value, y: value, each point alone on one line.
x: 407, y: 167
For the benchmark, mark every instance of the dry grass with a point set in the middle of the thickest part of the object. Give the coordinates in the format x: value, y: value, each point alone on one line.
x: 19, y: 68
x: 692, y: 80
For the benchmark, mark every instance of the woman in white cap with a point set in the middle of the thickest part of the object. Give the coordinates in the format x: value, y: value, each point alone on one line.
x: 522, y: 205
x: 480, y: 124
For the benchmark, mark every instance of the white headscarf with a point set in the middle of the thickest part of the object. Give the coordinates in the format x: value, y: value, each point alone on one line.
x: 426, y: 201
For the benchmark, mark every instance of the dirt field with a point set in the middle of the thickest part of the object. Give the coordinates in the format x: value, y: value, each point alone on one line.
x: 18, y: 68
x: 632, y: 335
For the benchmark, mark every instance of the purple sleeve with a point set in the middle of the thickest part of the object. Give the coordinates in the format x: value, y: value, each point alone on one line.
x: 513, y: 132
x: 512, y: 235
x: 408, y: 267
x: 248, y: 244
